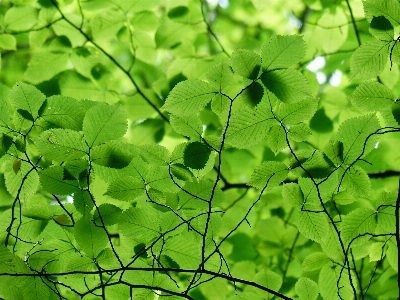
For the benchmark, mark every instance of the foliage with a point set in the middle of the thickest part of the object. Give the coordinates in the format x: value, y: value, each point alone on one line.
x: 209, y: 162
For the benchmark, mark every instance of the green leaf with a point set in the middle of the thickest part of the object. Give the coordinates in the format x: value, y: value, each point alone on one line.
x: 249, y: 126
x: 109, y: 213
x: 392, y: 256
x: 140, y: 224
x: 24, y: 183
x: 396, y: 53
x: 184, y: 250
x: 288, y: 85
x: 55, y: 63
x: 105, y: 25
x: 390, y: 9
x: 104, y: 123
x: 276, y: 139
x: 282, y: 51
x: 200, y: 193
x: 154, y: 154
x: 295, y: 113
x: 376, y: 251
x: 20, y: 18
x: 196, y: 155
x: 26, y: 97
x: 90, y: 238
x: 52, y: 181
x: 292, y: 194
x: 270, y: 174
x: 359, y: 221
x: 83, y: 202
x: 381, y: 29
x: 246, y: 63
x: 181, y: 172
x: 63, y: 112
x: 189, y: 126
x: 126, y: 188
x: 371, y: 96
x: 253, y: 94
x: 312, y: 225
x: 61, y: 144
x: 315, y: 261
x: 188, y: 97
x: 112, y: 155
x: 329, y: 286
x: 220, y: 76
x: 353, y: 132
x: 268, y: 279
x: 357, y: 182
x: 299, y: 132
x: 8, y: 42
x: 332, y: 30
x: 306, y: 289
x: 369, y: 60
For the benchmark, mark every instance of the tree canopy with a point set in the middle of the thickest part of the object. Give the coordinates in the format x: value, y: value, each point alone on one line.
x: 192, y: 149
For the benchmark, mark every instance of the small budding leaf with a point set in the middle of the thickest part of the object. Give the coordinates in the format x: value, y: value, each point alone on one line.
x: 196, y: 155
x: 17, y: 165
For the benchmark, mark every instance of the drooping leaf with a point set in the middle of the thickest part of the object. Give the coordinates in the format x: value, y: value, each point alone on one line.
x: 246, y: 63
x: 288, y: 85
x: 189, y: 97
x: 369, y: 60
x: 103, y: 123
x: 371, y: 96
x: 282, y: 51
